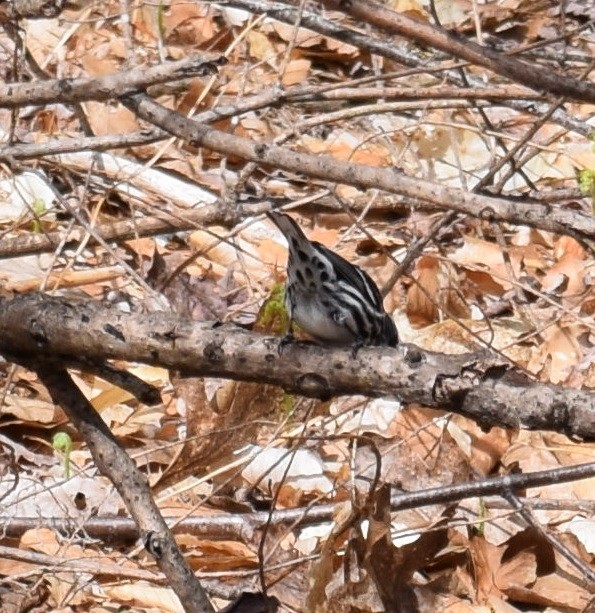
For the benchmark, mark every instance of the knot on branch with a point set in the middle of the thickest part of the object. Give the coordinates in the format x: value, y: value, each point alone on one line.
x: 154, y: 544
x: 314, y: 385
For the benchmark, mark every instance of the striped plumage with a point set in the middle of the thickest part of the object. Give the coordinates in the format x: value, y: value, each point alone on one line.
x: 331, y: 299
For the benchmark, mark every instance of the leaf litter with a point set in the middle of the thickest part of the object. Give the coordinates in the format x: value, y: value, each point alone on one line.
x: 215, y: 446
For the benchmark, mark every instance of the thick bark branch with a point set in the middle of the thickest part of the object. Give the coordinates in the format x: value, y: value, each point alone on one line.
x: 551, y: 218
x: 13, y: 95
x: 388, y: 49
x: 530, y: 75
x: 470, y: 384
x: 131, y: 484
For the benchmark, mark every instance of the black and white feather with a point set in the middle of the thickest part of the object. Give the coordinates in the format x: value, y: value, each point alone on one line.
x: 331, y: 299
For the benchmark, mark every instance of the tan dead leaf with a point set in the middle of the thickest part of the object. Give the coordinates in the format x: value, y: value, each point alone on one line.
x: 371, y: 154
x: 58, y: 497
x: 433, y: 143
x: 151, y: 374
x: 421, y: 429
x: 452, y: 13
x: 221, y: 555
x: 111, y: 397
x: 221, y: 417
x: 444, y: 337
x: 124, y: 420
x: 571, y: 266
x: 521, y: 570
x: 496, y: 605
x: 238, y: 253
x: 552, y: 591
x: 109, y: 119
x: 256, y: 126
x: 339, y: 47
x: 189, y: 24
x: 142, y: 594
x: 583, y: 529
x: 558, y: 354
x: 260, y: 47
x: 480, y: 255
x: 377, y: 416
x: 486, y: 448
x: 550, y: 165
x: 582, y: 153
x: 497, y: 526
x: 299, y: 473
x: 530, y: 452
x: 569, y: 452
x: 69, y: 588
x: 437, y: 290
x: 43, y: 540
x: 43, y: 38
x: 99, y: 61
x: 144, y: 247
x: 297, y: 71
x: 178, y: 12
x: 486, y: 561
x: 32, y: 410
x: 422, y: 308
x: 483, y: 283
x: 422, y: 454
x: 326, y: 236
x: 10, y: 568
x: 534, y: 258
x: 567, y: 246
x: 272, y: 253
x: 412, y: 8
x: 197, y: 96
x: 453, y: 604
x: 346, y: 146
x: 301, y: 37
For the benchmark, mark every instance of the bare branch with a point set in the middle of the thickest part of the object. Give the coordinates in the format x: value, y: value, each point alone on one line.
x: 471, y: 385
x: 13, y: 95
x: 546, y: 217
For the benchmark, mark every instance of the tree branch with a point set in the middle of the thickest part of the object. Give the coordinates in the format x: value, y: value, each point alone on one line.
x: 132, y: 485
x: 13, y: 95
x: 426, y: 34
x: 546, y: 217
x: 472, y: 384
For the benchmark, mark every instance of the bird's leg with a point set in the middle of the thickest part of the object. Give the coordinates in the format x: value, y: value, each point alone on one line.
x: 287, y: 339
x: 355, y: 348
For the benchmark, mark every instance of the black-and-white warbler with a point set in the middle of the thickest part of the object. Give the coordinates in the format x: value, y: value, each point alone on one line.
x: 331, y: 299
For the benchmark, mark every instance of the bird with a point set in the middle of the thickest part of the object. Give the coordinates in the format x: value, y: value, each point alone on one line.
x: 334, y: 301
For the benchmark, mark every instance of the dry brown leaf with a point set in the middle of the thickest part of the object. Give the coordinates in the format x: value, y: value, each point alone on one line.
x: 301, y: 37
x: 437, y: 290
x: 32, y: 410
x: 297, y: 71
x: 69, y: 588
x: 521, y: 570
x: 261, y: 47
x: 221, y: 555
x: 188, y: 24
x: 556, y: 357
x: 143, y: 594
x: 346, y: 146
x: 486, y: 447
x: 553, y: 591
x: 486, y: 561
